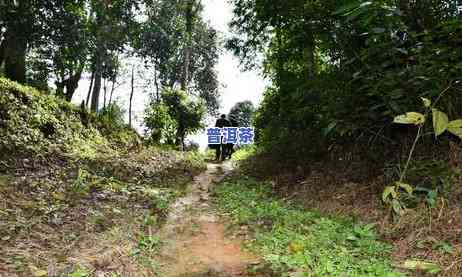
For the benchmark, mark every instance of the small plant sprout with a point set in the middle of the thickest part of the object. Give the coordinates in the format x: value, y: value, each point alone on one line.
x: 441, y: 124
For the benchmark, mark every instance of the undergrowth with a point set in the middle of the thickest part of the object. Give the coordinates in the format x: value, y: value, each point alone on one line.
x: 53, y: 212
x: 244, y: 153
x: 79, y: 195
x: 36, y: 123
x: 295, y: 240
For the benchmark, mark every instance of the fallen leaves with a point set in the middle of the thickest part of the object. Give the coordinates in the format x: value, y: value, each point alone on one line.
x: 47, y: 209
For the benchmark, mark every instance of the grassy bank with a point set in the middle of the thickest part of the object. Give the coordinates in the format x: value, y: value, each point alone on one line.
x: 298, y: 242
x: 79, y: 195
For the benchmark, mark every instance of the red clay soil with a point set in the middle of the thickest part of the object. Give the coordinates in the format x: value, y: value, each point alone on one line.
x: 211, y: 253
x: 195, y: 240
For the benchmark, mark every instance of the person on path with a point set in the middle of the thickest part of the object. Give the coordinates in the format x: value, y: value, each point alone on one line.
x: 230, y: 146
x: 221, y: 149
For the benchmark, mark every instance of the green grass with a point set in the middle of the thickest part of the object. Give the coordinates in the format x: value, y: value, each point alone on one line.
x: 244, y: 153
x: 80, y: 272
x: 292, y: 239
x: 195, y: 159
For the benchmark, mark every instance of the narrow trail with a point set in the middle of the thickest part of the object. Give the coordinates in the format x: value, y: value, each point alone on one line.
x: 194, y: 238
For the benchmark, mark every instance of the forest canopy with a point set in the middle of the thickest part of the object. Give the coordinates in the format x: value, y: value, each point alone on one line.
x: 54, y: 45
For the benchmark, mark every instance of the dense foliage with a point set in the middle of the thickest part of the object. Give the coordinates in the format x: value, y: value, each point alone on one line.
x: 341, y: 70
x: 186, y: 30
x: 175, y: 117
x: 344, y: 73
x: 241, y: 114
x: 52, y: 45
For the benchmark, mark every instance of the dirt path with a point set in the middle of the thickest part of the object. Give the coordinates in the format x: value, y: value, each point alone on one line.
x: 194, y: 239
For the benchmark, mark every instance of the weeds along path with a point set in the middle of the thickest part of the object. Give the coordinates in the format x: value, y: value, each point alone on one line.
x: 194, y: 238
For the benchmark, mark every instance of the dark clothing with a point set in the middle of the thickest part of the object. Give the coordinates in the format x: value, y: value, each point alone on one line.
x: 222, y: 122
x: 229, y: 150
x: 221, y: 150
x: 230, y: 146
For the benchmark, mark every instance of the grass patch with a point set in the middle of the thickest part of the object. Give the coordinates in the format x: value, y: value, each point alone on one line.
x: 244, y: 153
x: 195, y: 159
x: 295, y: 240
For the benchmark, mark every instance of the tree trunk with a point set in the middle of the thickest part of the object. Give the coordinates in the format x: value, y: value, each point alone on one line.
x: 114, y: 80
x: 185, y: 78
x: 97, y: 84
x: 89, y: 89
x: 112, y: 92
x: 131, y: 97
x: 15, y: 57
x: 96, y: 91
x: 2, y: 52
x: 156, y: 83
x: 105, y: 92
x: 180, y: 137
x: 98, y: 58
x: 73, y: 83
x: 189, y: 14
x: 60, y: 89
x: 309, y: 52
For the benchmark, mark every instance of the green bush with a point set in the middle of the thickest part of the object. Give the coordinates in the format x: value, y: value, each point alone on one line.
x: 177, y: 116
x: 113, y: 115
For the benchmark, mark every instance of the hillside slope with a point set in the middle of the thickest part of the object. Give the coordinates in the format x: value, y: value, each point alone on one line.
x: 77, y: 193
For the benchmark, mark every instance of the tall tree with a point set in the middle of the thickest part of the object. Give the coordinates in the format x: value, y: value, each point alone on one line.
x: 44, y: 37
x: 67, y: 43
x: 132, y: 91
x: 23, y: 22
x: 113, y: 26
x: 183, y: 50
x: 191, y: 10
x: 187, y: 113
